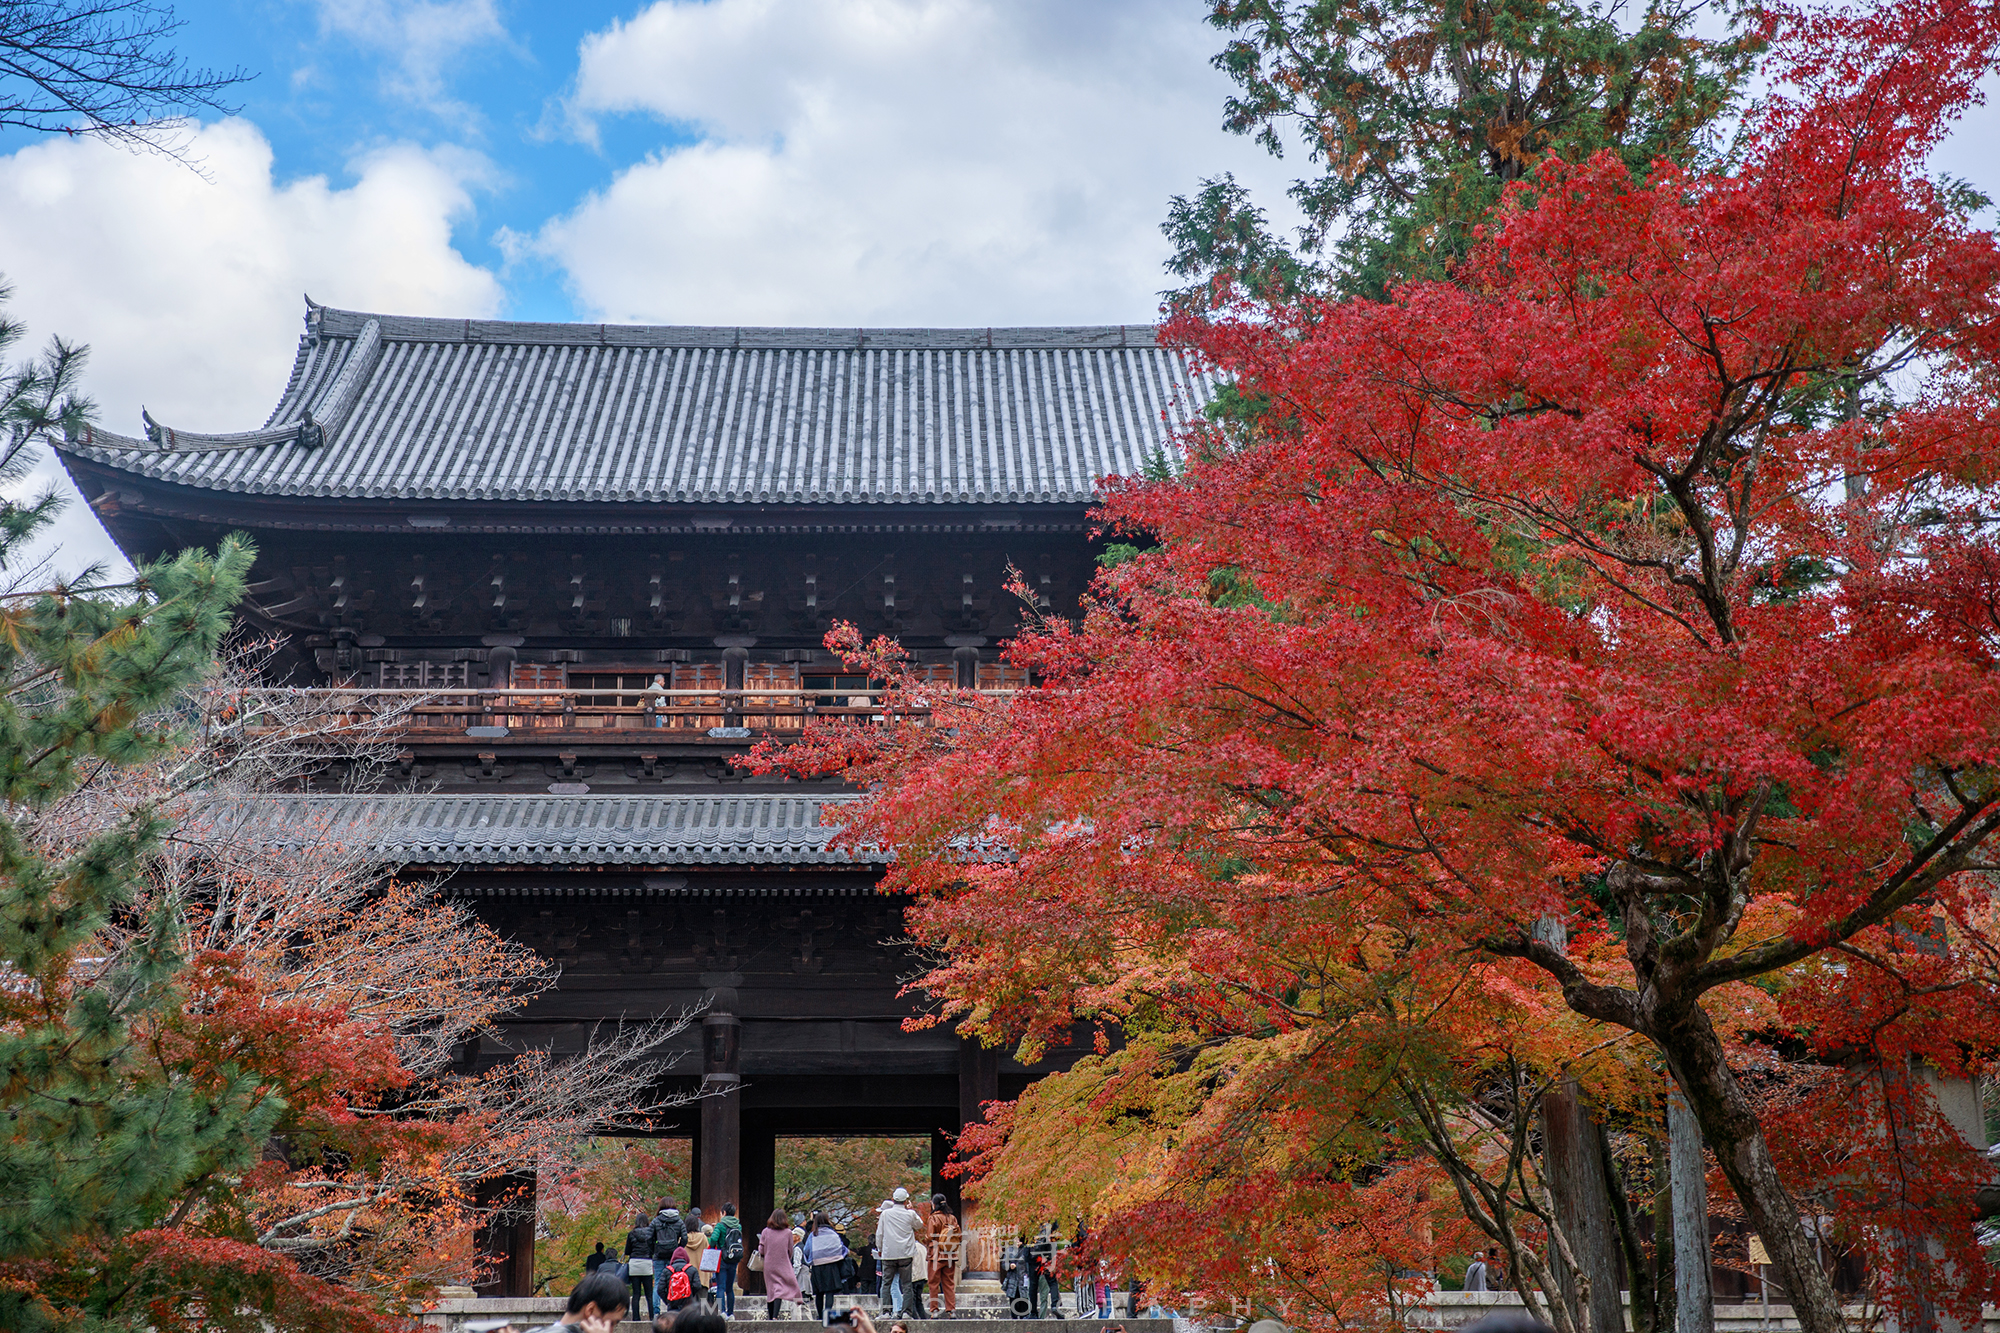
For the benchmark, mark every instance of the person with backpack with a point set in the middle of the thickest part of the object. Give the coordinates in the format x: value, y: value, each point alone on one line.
x: 727, y: 1236
x: 697, y: 1247
x: 639, y: 1266
x: 1044, y: 1259
x: 670, y: 1230
x: 676, y: 1281
x: 669, y: 1234
x: 946, y: 1247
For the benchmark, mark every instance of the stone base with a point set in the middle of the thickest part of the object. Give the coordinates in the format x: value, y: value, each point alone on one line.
x: 962, y: 1324
x: 533, y: 1312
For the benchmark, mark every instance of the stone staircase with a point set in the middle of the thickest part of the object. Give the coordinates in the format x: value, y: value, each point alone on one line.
x: 980, y: 1311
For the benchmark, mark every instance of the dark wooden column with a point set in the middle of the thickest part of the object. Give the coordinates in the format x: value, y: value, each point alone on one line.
x: 718, y: 1169
x: 978, y: 1084
x: 965, y: 657
x: 500, y: 655
x: 941, y: 1145
x: 506, y: 1241
x: 735, y: 664
x: 760, y: 1187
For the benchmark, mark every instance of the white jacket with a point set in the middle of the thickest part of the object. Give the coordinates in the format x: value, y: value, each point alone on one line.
x: 896, y: 1233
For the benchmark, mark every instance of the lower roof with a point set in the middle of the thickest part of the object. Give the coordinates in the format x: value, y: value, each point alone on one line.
x: 537, y: 830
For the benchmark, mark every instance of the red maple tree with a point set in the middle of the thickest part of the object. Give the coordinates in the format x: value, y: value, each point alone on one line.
x: 331, y: 1009
x: 1614, y: 625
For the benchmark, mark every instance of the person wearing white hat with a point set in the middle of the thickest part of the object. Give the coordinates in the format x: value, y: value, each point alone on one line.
x: 896, y: 1248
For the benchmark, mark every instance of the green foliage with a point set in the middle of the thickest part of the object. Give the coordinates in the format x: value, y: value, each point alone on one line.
x: 1222, y: 242
x: 37, y: 397
x: 596, y: 1196
x: 848, y: 1177
x: 1417, y: 114
x: 97, y: 1147
x: 1121, y: 553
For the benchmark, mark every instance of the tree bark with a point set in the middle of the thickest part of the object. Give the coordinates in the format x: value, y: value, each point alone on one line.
x: 1694, y: 1295
x: 1638, y: 1278
x: 1666, y: 1009
x: 1729, y: 1126
x: 1573, y: 1148
x: 1665, y: 1296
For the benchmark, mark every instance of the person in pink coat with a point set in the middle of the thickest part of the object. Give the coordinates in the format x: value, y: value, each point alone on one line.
x: 781, y: 1280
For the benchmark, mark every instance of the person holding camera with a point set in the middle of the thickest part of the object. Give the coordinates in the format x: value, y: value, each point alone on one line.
x: 896, y: 1249
x: 857, y: 1320
x: 639, y: 1265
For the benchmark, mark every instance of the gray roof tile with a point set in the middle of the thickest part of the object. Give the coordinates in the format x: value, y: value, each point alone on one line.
x: 562, y: 830
x: 437, y: 409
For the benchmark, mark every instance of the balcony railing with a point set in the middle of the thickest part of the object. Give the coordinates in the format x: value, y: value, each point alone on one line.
x: 491, y: 714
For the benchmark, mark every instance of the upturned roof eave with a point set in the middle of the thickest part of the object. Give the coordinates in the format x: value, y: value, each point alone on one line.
x: 392, y: 413
x: 115, y: 492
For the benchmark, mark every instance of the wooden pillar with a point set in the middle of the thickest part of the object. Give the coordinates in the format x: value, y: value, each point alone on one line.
x: 1575, y: 1158
x: 500, y: 655
x: 505, y: 1242
x: 718, y: 1162
x: 735, y: 667
x: 965, y: 659
x: 978, y: 1084
x: 941, y: 1144
x: 759, y: 1182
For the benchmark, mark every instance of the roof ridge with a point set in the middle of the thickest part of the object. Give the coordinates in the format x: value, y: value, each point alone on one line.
x: 323, y: 321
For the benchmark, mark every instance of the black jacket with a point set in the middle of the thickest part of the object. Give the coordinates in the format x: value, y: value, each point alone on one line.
x: 639, y: 1243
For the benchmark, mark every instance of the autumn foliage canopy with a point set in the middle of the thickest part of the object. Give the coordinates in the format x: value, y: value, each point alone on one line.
x: 1581, y: 668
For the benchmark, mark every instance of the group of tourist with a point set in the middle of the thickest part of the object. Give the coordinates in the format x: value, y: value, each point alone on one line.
x: 673, y: 1263
x: 599, y: 1303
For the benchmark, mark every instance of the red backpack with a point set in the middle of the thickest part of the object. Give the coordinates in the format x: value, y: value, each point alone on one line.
x: 678, y: 1286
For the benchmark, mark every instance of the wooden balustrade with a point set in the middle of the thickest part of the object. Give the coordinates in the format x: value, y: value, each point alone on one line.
x: 698, y: 711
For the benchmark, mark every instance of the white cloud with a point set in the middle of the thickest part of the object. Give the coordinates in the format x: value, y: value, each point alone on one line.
x: 898, y: 161
x: 187, y: 289
x: 418, y: 38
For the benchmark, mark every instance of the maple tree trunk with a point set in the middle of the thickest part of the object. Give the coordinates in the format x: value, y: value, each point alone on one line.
x: 1730, y: 1127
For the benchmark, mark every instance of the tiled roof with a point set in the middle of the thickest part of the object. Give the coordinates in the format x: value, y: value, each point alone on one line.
x: 563, y: 830
x: 391, y: 407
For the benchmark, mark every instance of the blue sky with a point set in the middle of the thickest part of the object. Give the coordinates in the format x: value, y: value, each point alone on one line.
x: 831, y: 162
x: 828, y: 162
x: 335, y: 81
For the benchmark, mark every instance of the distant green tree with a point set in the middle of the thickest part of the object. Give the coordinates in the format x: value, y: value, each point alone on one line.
x: 847, y: 1177
x: 38, y: 397
x: 595, y: 1195
x: 1417, y: 113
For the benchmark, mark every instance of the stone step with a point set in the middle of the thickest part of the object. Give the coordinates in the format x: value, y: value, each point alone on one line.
x: 959, y: 1325
x: 533, y: 1312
